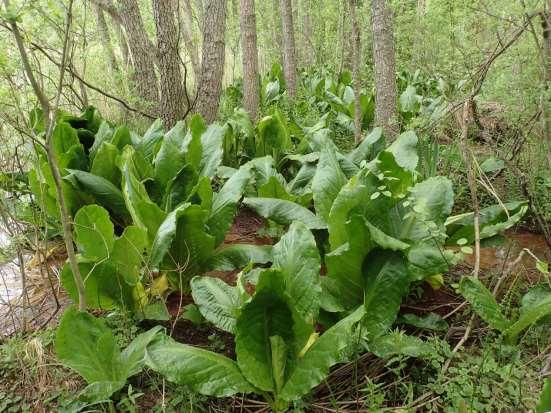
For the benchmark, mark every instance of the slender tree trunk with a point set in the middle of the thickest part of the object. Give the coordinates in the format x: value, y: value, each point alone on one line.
x: 123, y: 44
x: 142, y: 52
x: 343, y: 38
x: 289, y: 52
x: 251, y: 95
x: 307, y: 33
x: 172, y: 91
x: 276, y: 29
x: 212, y: 65
x: 356, y: 62
x: 103, y: 31
x: 187, y: 34
x: 385, y: 72
x: 545, y: 105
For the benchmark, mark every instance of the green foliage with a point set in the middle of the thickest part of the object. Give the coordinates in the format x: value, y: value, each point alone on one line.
x: 277, y: 350
x: 85, y: 344
x: 378, y: 228
x: 544, y: 404
x: 534, y: 308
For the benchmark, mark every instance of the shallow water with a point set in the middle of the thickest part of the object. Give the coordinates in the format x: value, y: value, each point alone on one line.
x: 10, y: 280
x: 515, y: 242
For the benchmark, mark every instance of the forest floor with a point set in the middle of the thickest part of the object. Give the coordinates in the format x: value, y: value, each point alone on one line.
x: 485, y: 372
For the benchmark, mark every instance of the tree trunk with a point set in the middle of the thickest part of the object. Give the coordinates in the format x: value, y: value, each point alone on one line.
x: 343, y: 38
x: 187, y: 35
x: 212, y: 65
x: 307, y: 50
x: 356, y: 62
x: 289, y: 53
x: 385, y: 72
x: 142, y: 53
x: 172, y: 91
x: 276, y: 29
x: 123, y: 44
x: 251, y: 95
x: 103, y: 31
x: 546, y: 52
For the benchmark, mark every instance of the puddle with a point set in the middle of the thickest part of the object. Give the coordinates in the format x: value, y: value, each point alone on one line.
x: 10, y: 280
x: 515, y: 242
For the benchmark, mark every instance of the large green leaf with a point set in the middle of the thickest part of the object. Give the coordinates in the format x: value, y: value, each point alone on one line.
x: 327, y: 182
x: 284, y: 212
x: 387, y: 282
x: 404, y: 149
x: 433, y: 198
x: 203, y: 371
x: 105, y: 163
x: 397, y: 179
x: 121, y: 137
x: 224, y: 204
x: 85, y: 344
x: 104, y: 192
x: 94, y: 232
x: 218, y: 302
x: 272, y: 134
x: 239, y: 255
x: 211, y: 157
x: 267, y: 315
x: 104, y: 134
x: 368, y: 149
x: 133, y: 357
x: 312, y: 368
x: 492, y: 221
x: 104, y: 287
x: 344, y: 264
x: 351, y: 195
x: 297, y: 256
x: 171, y: 157
x: 529, y: 316
x: 151, y: 139
x: 192, y: 142
x: 544, y: 404
x: 128, y: 252
x: 384, y: 240
x: 427, y: 259
x: 179, y: 188
x: 483, y: 302
x: 67, y: 147
x: 182, y: 234
x: 145, y: 213
x: 431, y: 203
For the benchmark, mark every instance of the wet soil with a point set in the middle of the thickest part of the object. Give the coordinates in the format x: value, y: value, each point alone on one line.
x: 515, y: 242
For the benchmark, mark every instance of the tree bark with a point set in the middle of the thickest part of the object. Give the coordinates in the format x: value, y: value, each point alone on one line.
x: 123, y: 44
x: 251, y: 95
x: 307, y: 48
x: 187, y: 34
x: 142, y: 53
x: 546, y: 112
x: 172, y: 92
x: 103, y: 31
x: 276, y: 29
x: 212, y: 65
x: 289, y: 52
x: 385, y: 72
x: 356, y: 62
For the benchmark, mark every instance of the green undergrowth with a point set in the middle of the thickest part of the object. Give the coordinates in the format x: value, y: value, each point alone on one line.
x: 487, y: 376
